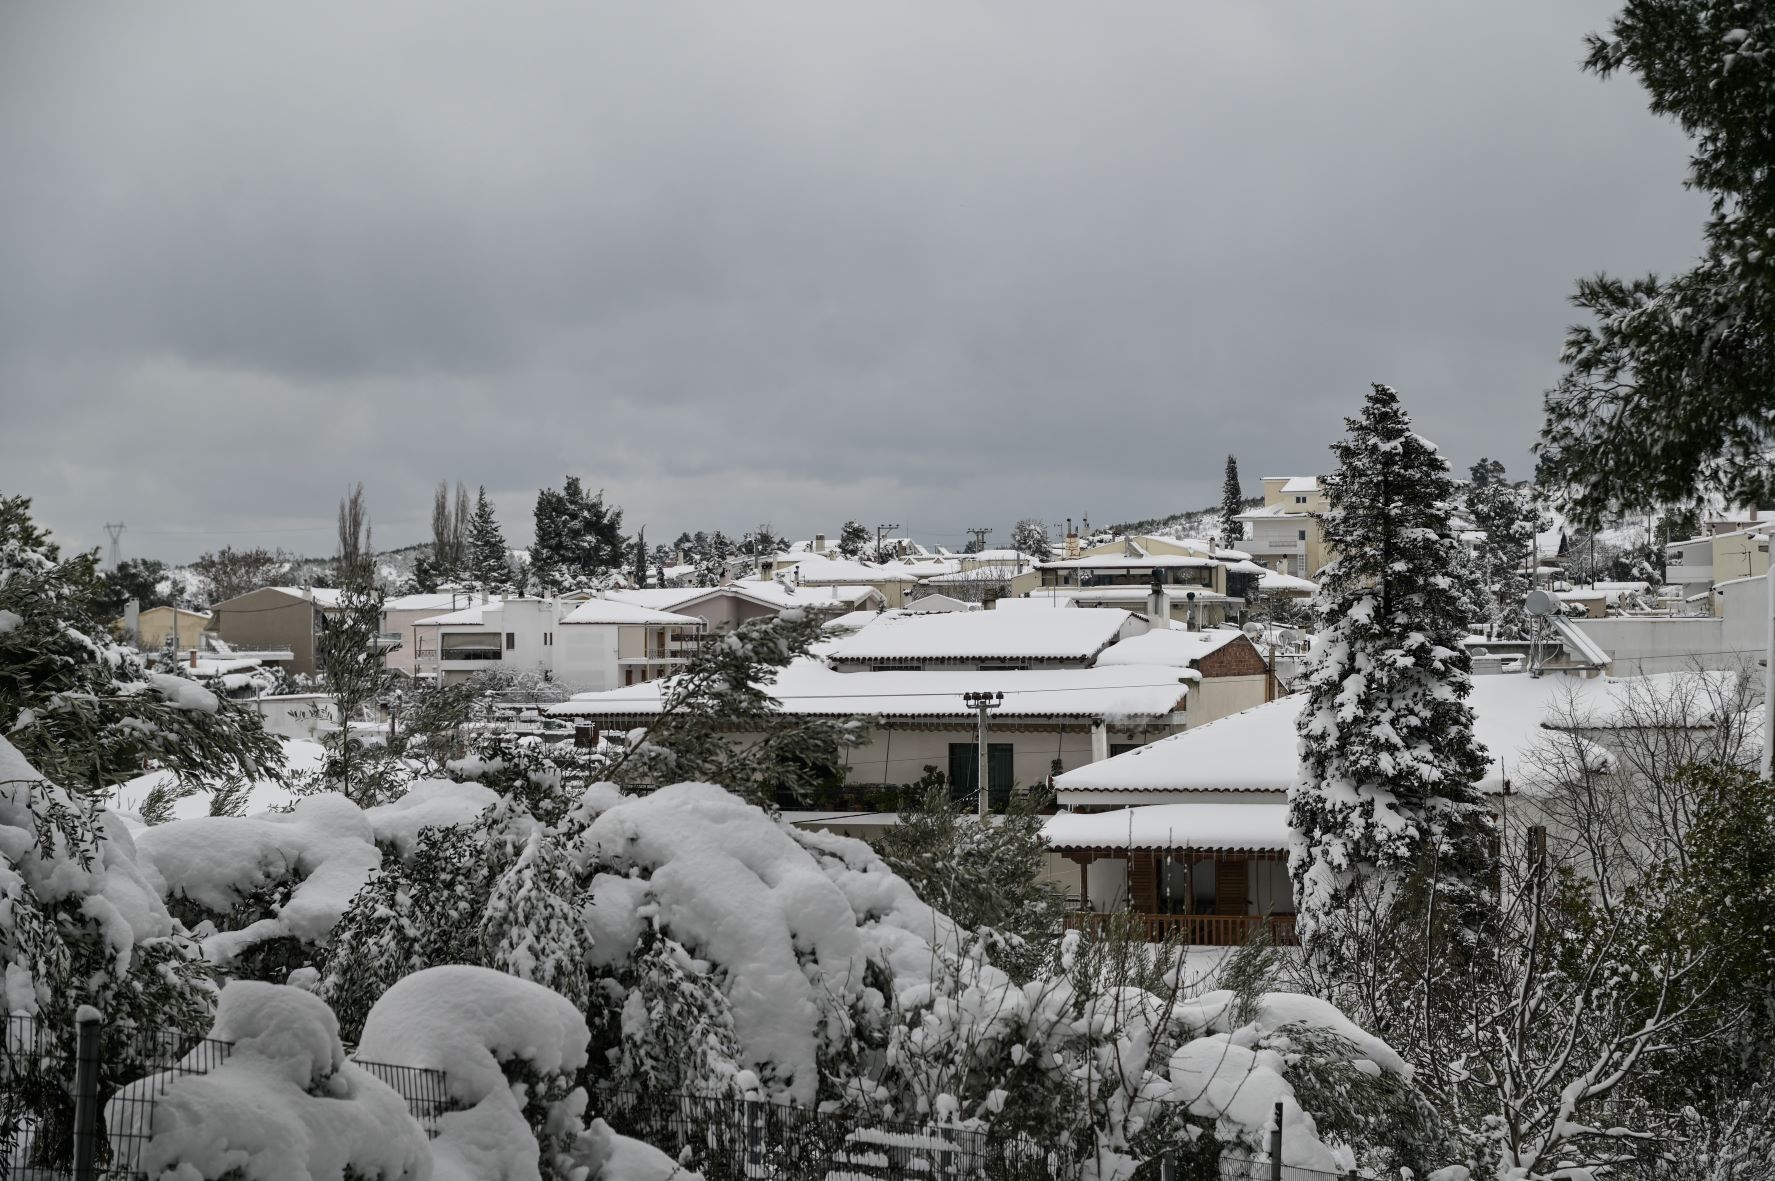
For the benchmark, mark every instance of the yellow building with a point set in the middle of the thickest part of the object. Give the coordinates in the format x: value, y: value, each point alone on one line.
x: 156, y: 626
x: 1285, y: 535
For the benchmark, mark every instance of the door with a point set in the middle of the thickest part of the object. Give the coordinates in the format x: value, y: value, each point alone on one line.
x: 964, y: 770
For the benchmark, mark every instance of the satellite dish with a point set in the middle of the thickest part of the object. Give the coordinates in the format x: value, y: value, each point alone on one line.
x: 1252, y: 630
x: 1539, y: 602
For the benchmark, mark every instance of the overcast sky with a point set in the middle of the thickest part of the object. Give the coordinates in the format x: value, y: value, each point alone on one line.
x: 940, y: 264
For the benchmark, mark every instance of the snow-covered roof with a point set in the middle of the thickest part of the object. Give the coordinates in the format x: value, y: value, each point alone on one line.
x: 322, y: 596
x: 850, y: 621
x: 1298, y: 484
x: 986, y: 635
x: 1176, y: 646
x: 823, y: 569
x: 775, y: 593
x: 1270, y: 511
x: 1123, y: 562
x: 991, y: 573
x: 467, y: 617
x: 1237, y: 827
x: 608, y: 611
x: 1274, y: 581
x: 437, y: 601
x: 1257, y: 750
x: 1141, y: 692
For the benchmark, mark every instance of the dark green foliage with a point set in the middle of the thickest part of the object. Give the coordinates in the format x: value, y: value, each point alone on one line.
x: 1389, y: 764
x: 85, y: 710
x: 1232, y: 503
x: 363, y: 769
x: 1667, y: 392
x: 1506, y: 515
x: 578, y: 539
x: 138, y: 579
x: 638, y: 573
x: 229, y: 573
x: 489, y: 561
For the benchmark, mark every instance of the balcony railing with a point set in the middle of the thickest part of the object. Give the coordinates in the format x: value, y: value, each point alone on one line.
x: 1201, y: 930
x: 471, y: 654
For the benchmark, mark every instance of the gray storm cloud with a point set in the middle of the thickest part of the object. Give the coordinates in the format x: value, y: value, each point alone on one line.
x: 940, y: 264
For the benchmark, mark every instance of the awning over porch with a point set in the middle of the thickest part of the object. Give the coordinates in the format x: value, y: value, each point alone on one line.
x: 1203, y: 826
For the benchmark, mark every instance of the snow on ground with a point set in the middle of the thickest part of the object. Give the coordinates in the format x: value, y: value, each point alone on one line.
x: 300, y: 755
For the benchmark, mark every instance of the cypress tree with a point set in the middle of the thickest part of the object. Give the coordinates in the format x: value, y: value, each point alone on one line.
x: 1389, y: 762
x: 1232, y: 503
x: 640, y: 571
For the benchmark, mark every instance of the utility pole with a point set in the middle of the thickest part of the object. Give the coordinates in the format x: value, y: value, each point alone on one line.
x: 879, y: 531
x: 983, y: 702
x: 1768, y: 661
x: 979, y: 536
x: 116, y: 532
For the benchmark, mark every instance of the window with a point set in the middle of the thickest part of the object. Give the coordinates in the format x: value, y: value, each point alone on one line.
x: 964, y: 770
x: 1122, y: 748
x: 511, y: 640
x: 1300, y: 500
x: 1303, y: 534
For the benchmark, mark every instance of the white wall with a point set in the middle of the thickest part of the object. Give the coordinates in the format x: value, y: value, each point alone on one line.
x: 586, y: 655
x: 1677, y: 644
x: 1216, y: 697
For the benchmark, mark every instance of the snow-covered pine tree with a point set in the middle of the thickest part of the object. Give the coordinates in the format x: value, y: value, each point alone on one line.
x: 852, y: 539
x: 1232, y: 503
x: 86, y: 711
x: 1506, y: 515
x: 638, y: 571
x: 488, y: 560
x: 1030, y: 536
x: 1389, y: 763
x: 531, y: 927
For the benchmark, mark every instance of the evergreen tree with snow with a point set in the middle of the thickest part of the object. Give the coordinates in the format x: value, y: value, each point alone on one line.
x: 1232, y: 503
x: 712, y: 561
x: 86, y: 711
x: 579, y: 539
x: 1507, y: 516
x: 1030, y: 536
x: 638, y: 571
x: 488, y: 558
x: 351, y: 653
x: 1668, y: 391
x: 1389, y: 762
x: 853, y: 538
x: 531, y: 928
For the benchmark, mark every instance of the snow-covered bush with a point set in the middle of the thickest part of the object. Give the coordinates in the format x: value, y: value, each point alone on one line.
x: 285, y: 1104
x: 81, y: 923
x: 544, y: 779
x: 510, y: 1052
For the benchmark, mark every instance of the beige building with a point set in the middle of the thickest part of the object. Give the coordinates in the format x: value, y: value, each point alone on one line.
x: 1285, y: 535
x: 275, y: 617
x: 160, y: 627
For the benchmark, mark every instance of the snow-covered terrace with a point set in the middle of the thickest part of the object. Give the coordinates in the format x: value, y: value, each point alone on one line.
x: 1247, y: 828
x: 1131, y: 693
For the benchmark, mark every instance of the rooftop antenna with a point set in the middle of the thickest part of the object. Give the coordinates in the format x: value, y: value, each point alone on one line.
x: 116, y: 532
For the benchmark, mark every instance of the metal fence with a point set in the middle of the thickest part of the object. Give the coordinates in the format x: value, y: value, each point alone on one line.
x: 80, y: 1104
x: 729, y: 1139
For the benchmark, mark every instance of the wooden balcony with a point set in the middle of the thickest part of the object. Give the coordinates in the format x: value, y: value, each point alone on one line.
x: 1200, y: 930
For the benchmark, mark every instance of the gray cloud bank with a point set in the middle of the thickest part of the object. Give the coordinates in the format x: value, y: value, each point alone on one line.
x: 936, y: 263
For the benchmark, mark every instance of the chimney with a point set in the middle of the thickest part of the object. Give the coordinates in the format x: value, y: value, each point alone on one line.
x: 194, y: 658
x: 819, y: 543
x: 1072, y: 541
x: 1158, y: 603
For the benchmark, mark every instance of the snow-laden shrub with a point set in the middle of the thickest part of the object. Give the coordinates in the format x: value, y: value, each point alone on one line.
x: 81, y: 923
x: 510, y: 1051
x: 289, y: 876
x: 285, y: 1105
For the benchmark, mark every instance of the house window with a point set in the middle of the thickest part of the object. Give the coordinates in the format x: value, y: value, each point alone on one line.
x: 1122, y: 748
x: 511, y: 640
x: 1303, y: 534
x: 1300, y: 500
x: 964, y: 770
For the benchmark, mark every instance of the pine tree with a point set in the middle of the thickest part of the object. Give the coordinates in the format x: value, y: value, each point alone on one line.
x: 578, y: 539
x: 711, y: 564
x: 85, y: 710
x: 489, y: 560
x: 1232, y: 503
x: 1389, y: 763
x: 351, y: 656
x: 1667, y: 394
x: 1506, y: 515
x: 853, y: 538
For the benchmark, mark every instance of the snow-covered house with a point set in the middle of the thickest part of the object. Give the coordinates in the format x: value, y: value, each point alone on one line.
x: 1285, y: 534
x: 918, y: 719
x: 274, y: 618
x: 1192, y: 831
x: 157, y: 628
x: 829, y: 570
x: 988, y: 641
x: 598, y: 643
x: 1196, y: 584
x: 400, y: 616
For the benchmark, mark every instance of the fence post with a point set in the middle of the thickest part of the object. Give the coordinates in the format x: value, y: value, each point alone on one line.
x: 86, y: 1095
x: 1276, y: 1146
x: 1167, y: 1168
